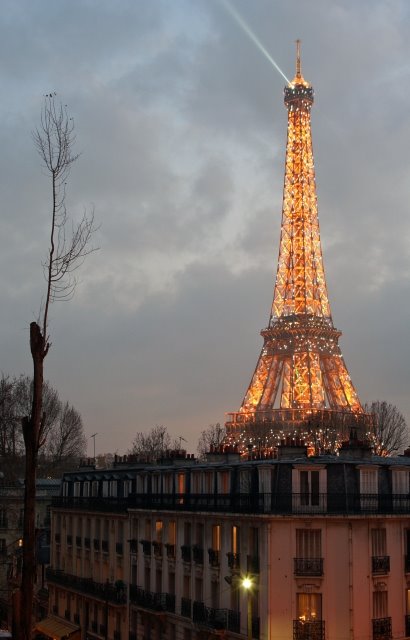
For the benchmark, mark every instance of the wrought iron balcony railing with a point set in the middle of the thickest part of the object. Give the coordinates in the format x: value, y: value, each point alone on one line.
x: 277, y: 503
x: 133, y: 545
x: 186, y: 552
x: 198, y: 554
x: 96, y: 544
x: 151, y: 600
x: 234, y: 561
x: 308, y: 566
x: 146, y: 547
x: 213, y: 557
x: 308, y: 630
x: 170, y: 549
x: 216, y: 618
x: 107, y: 591
x: 105, y: 546
x: 119, y: 550
x: 157, y: 546
x: 186, y: 607
x: 78, y: 541
x: 69, y: 540
x: 87, y: 543
x: 380, y: 565
x: 381, y: 628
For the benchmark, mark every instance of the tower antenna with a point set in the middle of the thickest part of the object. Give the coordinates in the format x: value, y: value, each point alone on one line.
x: 298, y: 65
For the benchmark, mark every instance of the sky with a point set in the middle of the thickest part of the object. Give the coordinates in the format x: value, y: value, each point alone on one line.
x: 181, y: 128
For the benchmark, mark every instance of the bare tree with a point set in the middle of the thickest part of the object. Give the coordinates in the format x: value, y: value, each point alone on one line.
x: 389, y: 432
x: 151, y: 445
x: 68, y: 246
x: 67, y: 441
x: 213, y: 436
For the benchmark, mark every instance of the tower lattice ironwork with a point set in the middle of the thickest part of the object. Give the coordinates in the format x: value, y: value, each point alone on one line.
x: 301, y: 382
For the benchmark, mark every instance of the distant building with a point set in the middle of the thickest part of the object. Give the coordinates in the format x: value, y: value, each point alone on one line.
x: 160, y: 551
x: 11, y: 541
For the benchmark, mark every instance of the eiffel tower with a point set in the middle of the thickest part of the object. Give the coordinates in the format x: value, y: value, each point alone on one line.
x: 301, y: 385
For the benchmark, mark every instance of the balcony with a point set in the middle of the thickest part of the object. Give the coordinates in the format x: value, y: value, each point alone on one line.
x: 198, y: 554
x: 96, y: 544
x: 119, y: 549
x: 283, y: 502
x: 216, y: 618
x: 186, y: 552
x: 407, y: 563
x: 157, y: 546
x: 213, y: 557
x: 381, y: 628
x: 69, y: 540
x: 105, y: 546
x: 380, y: 565
x: 151, y: 600
x: 78, y: 541
x: 107, y: 591
x: 308, y: 630
x: 252, y: 564
x: 170, y: 549
x: 146, y: 547
x: 133, y: 545
x: 234, y: 561
x: 308, y: 566
x: 186, y: 607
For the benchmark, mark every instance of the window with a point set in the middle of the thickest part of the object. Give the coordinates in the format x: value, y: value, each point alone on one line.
x: 224, y: 482
x: 309, y: 606
x: 208, y: 482
x: 158, y: 530
x: 309, y: 488
x: 77, y: 489
x: 379, y: 604
x: 172, y: 532
x: 308, y: 543
x: 94, y: 489
x: 235, y: 545
x: 308, y: 561
x: 216, y: 537
x: 378, y: 542
x: 86, y: 489
x: 113, y: 488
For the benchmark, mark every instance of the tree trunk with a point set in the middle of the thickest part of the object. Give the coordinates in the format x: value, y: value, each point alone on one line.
x: 32, y: 427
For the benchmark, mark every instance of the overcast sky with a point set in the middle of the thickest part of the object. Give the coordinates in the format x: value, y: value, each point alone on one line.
x: 182, y: 129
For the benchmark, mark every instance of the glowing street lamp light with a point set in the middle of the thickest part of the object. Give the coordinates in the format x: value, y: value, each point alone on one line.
x: 247, y: 584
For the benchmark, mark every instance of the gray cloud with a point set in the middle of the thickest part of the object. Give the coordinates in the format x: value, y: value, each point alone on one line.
x: 182, y: 129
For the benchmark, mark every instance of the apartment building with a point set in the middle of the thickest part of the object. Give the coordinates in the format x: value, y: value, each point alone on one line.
x: 161, y: 552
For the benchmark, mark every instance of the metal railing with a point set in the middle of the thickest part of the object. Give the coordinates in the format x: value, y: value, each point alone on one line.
x: 216, y: 618
x: 186, y: 552
x: 214, y: 557
x: 380, y: 565
x: 234, y: 561
x: 103, y: 591
x: 146, y: 547
x: 281, y: 503
x: 151, y: 600
x: 170, y: 550
x: 308, y: 630
x: 381, y: 628
x: 308, y: 566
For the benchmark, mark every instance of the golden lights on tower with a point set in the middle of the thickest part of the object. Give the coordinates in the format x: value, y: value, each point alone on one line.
x: 301, y: 377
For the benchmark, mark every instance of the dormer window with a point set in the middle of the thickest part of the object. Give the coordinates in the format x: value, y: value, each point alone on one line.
x: 309, y: 488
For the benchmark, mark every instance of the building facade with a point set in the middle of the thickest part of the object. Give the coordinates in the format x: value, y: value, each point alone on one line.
x: 161, y: 551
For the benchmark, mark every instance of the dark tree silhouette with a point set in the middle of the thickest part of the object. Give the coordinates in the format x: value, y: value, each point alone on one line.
x: 389, y: 432
x: 69, y: 244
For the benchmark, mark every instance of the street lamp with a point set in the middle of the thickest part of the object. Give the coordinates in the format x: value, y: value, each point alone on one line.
x: 247, y: 584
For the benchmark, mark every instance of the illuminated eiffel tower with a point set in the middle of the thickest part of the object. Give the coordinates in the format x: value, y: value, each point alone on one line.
x: 301, y: 385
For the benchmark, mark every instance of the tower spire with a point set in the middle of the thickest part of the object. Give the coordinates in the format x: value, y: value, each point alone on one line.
x: 298, y: 67
x: 301, y: 374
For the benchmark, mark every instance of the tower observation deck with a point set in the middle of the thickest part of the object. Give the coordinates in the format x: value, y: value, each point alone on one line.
x: 301, y: 385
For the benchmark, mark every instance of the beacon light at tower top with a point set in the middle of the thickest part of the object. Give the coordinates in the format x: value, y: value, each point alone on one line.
x: 300, y: 385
